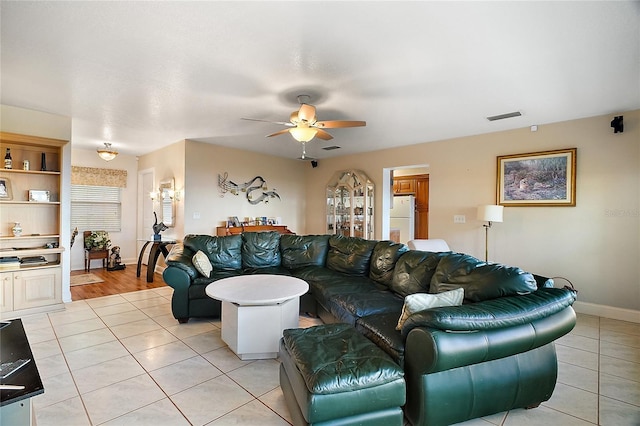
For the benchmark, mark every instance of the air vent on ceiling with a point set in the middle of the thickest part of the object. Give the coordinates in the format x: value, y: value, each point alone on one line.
x: 503, y: 116
x: 331, y: 148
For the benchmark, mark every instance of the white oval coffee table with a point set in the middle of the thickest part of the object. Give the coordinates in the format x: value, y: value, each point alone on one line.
x: 255, y: 311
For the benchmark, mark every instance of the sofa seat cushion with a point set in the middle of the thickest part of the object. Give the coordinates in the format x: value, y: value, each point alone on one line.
x: 225, y: 253
x: 326, y: 290
x: 272, y: 270
x: 481, y: 281
x: 260, y: 249
x: 198, y: 285
x: 381, y: 330
x: 413, y: 272
x: 298, y: 251
x: 318, y: 273
x: 350, y: 255
x: 383, y: 261
x: 351, y: 306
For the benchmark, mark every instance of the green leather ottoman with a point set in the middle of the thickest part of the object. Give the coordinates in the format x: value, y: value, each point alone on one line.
x: 332, y: 375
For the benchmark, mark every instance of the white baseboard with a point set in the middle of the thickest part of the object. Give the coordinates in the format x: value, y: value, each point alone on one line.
x: 607, y: 311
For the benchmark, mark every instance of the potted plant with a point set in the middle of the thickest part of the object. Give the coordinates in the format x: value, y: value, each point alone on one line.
x: 97, y: 240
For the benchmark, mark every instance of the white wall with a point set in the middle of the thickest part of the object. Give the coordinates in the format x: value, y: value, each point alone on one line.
x: 126, y: 238
x: 594, y: 244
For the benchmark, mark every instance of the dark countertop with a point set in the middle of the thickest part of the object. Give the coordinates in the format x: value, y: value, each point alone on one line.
x: 13, y: 346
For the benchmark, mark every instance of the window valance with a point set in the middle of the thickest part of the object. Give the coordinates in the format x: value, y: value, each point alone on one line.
x: 98, y: 177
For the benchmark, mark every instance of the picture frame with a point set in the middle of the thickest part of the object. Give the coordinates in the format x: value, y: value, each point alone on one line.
x: 5, y: 189
x: 537, y: 179
x: 235, y: 221
x: 39, y: 196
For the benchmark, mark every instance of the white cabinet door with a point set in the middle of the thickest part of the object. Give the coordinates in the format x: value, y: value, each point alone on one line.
x: 38, y: 287
x: 6, y: 291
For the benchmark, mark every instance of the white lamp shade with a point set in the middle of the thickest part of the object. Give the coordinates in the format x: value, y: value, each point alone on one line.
x: 303, y: 134
x: 490, y: 213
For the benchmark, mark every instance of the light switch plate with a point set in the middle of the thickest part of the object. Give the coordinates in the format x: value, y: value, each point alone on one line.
x: 459, y: 218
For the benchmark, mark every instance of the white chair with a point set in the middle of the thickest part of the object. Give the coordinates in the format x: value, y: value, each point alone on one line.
x: 434, y: 245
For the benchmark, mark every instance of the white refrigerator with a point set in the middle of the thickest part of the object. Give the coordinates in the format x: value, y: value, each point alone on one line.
x: 402, y: 216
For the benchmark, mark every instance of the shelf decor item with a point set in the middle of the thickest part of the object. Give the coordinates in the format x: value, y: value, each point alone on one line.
x: 97, y: 240
x: 17, y: 229
x: 39, y: 196
x: 5, y: 189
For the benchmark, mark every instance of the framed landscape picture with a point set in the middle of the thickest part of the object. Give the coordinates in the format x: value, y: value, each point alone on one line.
x: 546, y: 178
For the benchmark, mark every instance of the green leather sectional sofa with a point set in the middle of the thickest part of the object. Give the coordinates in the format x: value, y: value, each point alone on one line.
x: 493, y: 353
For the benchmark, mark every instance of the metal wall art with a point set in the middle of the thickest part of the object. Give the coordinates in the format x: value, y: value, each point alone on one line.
x: 256, y: 184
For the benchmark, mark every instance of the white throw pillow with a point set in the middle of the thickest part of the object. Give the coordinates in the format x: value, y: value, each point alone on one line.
x: 420, y: 301
x: 202, y: 263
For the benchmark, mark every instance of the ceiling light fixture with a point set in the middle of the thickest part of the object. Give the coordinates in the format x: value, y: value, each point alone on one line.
x: 107, y: 153
x: 302, y: 133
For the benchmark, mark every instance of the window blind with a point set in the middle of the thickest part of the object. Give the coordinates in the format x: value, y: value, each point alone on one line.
x: 96, y: 208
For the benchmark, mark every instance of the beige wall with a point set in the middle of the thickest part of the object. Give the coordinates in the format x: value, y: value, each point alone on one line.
x: 199, y: 183
x: 167, y: 163
x: 206, y: 162
x: 595, y: 244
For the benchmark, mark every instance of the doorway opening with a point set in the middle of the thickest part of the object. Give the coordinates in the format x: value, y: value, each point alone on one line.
x: 408, y: 188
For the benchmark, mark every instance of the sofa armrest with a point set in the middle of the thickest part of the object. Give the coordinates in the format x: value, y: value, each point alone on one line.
x: 180, y: 257
x: 429, y: 350
x: 493, y: 314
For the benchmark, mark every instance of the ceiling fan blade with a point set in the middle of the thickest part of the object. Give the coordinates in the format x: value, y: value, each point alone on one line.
x: 281, y: 132
x: 308, y: 113
x: 283, y: 123
x: 334, y: 124
x: 323, y: 135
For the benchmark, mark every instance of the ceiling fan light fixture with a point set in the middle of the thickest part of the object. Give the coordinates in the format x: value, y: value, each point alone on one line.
x: 303, y: 134
x: 107, y: 153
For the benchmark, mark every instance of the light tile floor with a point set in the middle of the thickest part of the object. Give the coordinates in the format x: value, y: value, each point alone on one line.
x: 124, y: 360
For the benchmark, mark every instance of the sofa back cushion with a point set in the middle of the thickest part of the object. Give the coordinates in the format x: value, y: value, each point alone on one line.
x: 260, y: 249
x: 225, y: 253
x: 480, y: 280
x: 383, y: 261
x: 299, y: 251
x: 413, y: 272
x: 350, y: 255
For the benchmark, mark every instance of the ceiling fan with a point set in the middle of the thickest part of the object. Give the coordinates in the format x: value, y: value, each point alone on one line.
x: 304, y: 125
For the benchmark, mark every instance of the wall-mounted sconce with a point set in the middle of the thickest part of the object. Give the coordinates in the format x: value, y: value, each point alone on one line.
x: 154, y: 195
x: 170, y: 194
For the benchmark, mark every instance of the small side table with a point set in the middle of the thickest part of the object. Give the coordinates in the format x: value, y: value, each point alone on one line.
x: 157, y: 248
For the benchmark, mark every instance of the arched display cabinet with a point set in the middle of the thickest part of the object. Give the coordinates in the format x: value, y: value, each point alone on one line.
x: 350, y: 201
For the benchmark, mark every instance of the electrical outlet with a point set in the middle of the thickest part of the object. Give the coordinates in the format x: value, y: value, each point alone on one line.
x: 196, y: 215
x: 459, y: 218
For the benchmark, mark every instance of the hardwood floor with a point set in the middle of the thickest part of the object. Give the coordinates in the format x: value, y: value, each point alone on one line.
x: 115, y: 282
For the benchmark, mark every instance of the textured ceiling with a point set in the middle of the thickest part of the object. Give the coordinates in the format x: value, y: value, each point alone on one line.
x: 143, y: 75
